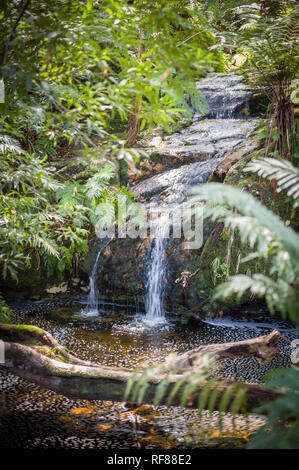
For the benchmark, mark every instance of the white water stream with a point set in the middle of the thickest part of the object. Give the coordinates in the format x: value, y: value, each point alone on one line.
x: 92, y: 308
x: 155, y: 273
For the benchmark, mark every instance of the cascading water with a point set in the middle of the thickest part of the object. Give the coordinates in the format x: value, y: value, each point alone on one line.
x: 186, y: 158
x: 201, y: 147
x: 156, y: 271
x: 92, y: 308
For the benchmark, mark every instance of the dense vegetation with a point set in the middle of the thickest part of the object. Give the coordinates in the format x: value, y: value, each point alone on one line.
x: 82, y: 83
x: 70, y: 79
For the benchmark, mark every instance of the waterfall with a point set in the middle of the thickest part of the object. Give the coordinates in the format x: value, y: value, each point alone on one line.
x: 92, y: 309
x: 155, y: 274
x: 187, y: 158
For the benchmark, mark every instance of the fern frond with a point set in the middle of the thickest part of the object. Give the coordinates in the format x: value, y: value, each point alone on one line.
x: 286, y: 174
x: 10, y: 145
x: 95, y: 185
x: 48, y: 246
x: 278, y: 293
x: 283, y: 409
x: 225, y: 197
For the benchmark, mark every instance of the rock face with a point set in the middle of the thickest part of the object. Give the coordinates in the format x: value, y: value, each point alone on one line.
x: 186, y: 158
x: 217, y: 244
x: 199, y: 148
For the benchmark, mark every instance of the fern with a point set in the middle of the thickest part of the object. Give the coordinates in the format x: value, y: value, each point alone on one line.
x: 47, y: 245
x: 278, y: 293
x: 173, y: 383
x: 282, y: 427
x: 284, y: 172
x: 265, y: 233
x: 253, y: 220
x: 95, y: 185
x: 271, y: 239
x: 10, y: 145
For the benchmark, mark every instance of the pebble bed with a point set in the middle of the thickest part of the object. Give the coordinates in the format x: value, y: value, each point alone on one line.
x: 34, y: 418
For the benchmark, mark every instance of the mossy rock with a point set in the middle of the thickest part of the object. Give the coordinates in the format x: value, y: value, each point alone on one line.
x: 219, y: 246
x: 25, y: 334
x: 179, y: 125
x: 261, y: 189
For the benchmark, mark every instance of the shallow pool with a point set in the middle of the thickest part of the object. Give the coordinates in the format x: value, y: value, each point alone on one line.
x: 31, y: 417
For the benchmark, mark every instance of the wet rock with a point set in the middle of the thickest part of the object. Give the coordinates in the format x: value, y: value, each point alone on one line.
x: 226, y: 94
x: 177, y: 162
x: 57, y: 290
x: 180, y: 161
x: 232, y: 158
x: 171, y: 187
x: 207, y: 136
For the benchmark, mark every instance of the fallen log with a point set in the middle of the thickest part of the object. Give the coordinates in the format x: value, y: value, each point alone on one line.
x: 262, y: 348
x: 47, y: 364
x: 39, y: 339
x: 100, y: 382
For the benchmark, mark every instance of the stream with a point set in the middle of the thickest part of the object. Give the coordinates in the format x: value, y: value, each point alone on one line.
x: 128, y: 267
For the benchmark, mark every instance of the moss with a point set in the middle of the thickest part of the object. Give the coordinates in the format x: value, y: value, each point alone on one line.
x: 217, y: 246
x: 53, y: 353
x: 261, y: 189
x: 156, y: 157
x: 179, y: 125
x: 26, y: 334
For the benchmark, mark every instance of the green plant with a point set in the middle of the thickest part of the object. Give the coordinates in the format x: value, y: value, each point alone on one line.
x: 281, y: 430
x: 286, y: 175
x: 220, y: 270
x: 272, y: 65
x: 273, y: 240
x: 5, y: 312
x: 265, y: 233
x: 264, y: 36
x: 66, y: 78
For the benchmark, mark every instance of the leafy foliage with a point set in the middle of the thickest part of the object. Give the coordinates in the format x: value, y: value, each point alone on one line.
x: 97, y: 63
x: 173, y: 383
x: 284, y: 172
x: 282, y: 426
x: 263, y: 37
x: 273, y: 240
x: 266, y: 234
x: 4, y: 312
x: 67, y: 78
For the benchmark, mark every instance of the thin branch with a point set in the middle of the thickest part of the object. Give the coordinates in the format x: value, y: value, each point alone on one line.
x: 12, y: 32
